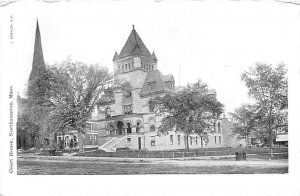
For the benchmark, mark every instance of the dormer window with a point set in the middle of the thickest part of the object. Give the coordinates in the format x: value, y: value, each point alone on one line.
x: 150, y: 85
x: 127, y: 92
x: 151, y: 106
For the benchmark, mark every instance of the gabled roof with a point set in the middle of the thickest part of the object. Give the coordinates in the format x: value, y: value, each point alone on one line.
x: 168, y: 78
x: 134, y: 46
x: 157, y: 80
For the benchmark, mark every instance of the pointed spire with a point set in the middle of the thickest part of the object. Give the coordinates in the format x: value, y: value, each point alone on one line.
x: 115, y: 56
x: 154, y: 56
x: 38, y: 64
x: 134, y: 46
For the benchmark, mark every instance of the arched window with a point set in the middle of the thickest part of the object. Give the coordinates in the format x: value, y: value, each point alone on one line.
x: 107, y: 112
x: 151, y: 106
x: 152, y: 128
x: 128, y: 128
x: 93, y: 140
x: 138, y: 124
x: 127, y: 91
x: 110, y: 129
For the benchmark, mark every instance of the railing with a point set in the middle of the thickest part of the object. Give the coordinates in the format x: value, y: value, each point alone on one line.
x: 229, y: 152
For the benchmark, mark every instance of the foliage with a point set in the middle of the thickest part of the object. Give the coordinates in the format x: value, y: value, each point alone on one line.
x: 191, y: 110
x: 30, y: 124
x: 73, y: 90
x: 245, y: 117
x: 268, y: 86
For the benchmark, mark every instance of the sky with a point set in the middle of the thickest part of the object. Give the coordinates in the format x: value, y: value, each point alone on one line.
x: 211, y: 41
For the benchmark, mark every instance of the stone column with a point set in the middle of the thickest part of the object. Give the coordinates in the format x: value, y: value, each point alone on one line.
x: 133, y: 129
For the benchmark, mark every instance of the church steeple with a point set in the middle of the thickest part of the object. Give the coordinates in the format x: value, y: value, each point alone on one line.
x: 38, y: 67
x: 38, y: 64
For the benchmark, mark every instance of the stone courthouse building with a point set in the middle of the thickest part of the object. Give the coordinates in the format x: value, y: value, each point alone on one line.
x: 125, y: 116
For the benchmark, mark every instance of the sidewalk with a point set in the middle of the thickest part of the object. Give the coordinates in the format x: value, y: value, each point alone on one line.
x: 227, y: 158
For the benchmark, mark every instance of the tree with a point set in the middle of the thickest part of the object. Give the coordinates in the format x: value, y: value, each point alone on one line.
x: 72, y: 92
x: 191, y: 111
x: 268, y: 86
x: 245, y: 117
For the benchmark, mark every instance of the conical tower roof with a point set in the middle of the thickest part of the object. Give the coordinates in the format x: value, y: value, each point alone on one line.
x: 38, y: 64
x: 154, y: 56
x: 115, y: 56
x: 134, y: 46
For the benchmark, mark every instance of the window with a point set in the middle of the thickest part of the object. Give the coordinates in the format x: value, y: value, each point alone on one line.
x: 122, y: 67
x: 191, y: 141
x: 138, y: 127
x: 151, y: 85
x: 110, y: 129
x: 119, y: 67
x: 74, y: 140
x: 128, y: 109
x: 128, y: 139
x: 171, y: 139
x: 178, y: 139
x: 215, y: 139
x: 151, y: 106
x: 220, y: 139
x: 152, y: 128
x: 107, y: 112
x: 94, y: 127
x: 126, y: 66
x: 196, y: 140
x: 93, y: 140
x: 152, y: 67
x: 127, y: 92
x: 132, y: 64
x: 219, y: 127
x: 152, y: 140
x: 129, y: 128
x: 201, y: 142
x: 67, y: 141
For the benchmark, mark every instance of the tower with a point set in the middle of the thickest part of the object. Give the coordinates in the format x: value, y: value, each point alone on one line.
x: 134, y: 55
x: 38, y: 66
